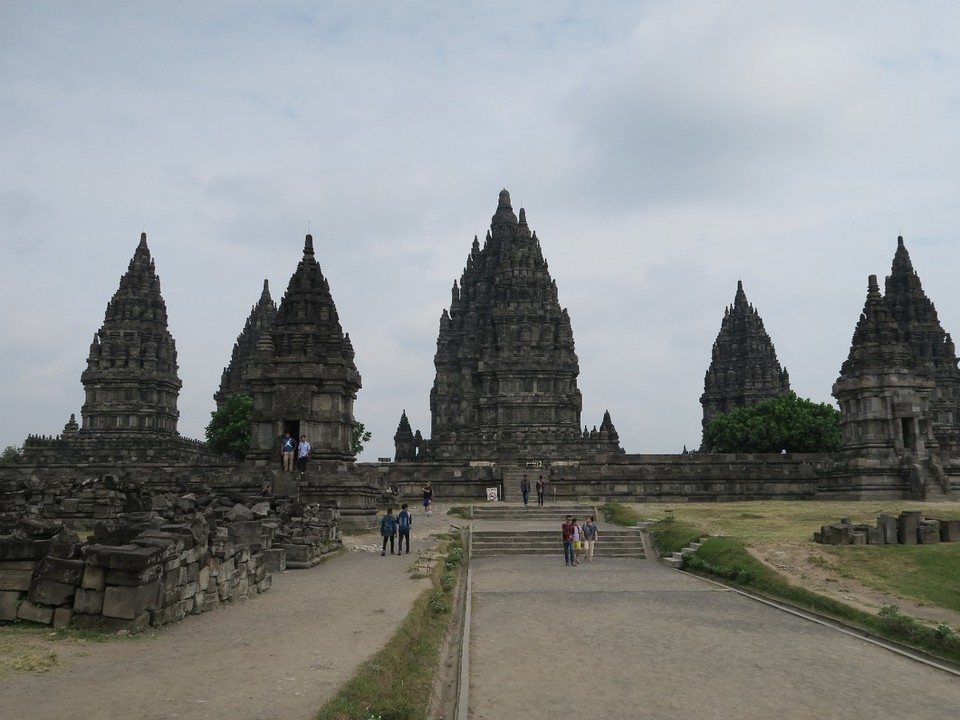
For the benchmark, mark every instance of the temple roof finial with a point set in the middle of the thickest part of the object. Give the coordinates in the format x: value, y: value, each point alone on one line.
x: 308, y: 246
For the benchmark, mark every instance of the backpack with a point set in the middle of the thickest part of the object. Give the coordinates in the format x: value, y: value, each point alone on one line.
x: 404, y: 520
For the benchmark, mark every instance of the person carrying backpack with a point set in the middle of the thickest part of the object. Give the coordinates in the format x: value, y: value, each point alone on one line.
x: 388, y: 529
x: 404, y: 521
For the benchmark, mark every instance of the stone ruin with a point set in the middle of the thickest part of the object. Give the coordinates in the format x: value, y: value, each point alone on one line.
x: 151, y: 559
x: 909, y: 528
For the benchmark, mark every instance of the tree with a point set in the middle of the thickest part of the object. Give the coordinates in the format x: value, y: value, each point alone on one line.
x: 229, y: 427
x: 12, y: 454
x: 360, y: 436
x: 786, y: 422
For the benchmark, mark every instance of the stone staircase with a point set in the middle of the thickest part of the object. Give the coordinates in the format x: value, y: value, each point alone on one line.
x: 676, y: 560
x: 516, y: 511
x: 511, y: 477
x: 619, y: 543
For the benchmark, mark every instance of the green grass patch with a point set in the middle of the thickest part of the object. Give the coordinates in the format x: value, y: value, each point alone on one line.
x: 728, y: 559
x: 461, y: 511
x: 925, y: 573
x: 385, y: 689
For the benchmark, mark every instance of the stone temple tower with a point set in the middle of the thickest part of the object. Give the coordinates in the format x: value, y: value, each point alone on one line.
x: 744, y: 369
x: 131, y: 384
x: 303, y: 379
x: 506, y: 368
x: 917, y: 318
x: 243, y: 358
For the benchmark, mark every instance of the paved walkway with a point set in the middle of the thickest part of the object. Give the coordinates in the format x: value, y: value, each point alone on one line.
x: 634, y: 639
x: 278, y: 656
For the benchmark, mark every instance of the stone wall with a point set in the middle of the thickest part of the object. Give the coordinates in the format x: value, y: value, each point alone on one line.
x: 181, y: 555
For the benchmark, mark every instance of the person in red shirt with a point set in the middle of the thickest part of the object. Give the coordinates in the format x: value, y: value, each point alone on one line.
x: 567, y: 530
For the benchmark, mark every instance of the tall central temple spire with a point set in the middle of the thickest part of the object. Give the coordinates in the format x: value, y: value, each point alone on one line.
x: 506, y: 382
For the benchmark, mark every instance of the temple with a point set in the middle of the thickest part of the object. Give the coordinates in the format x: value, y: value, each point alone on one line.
x: 302, y: 377
x: 744, y: 369
x: 506, y: 367
x: 260, y: 322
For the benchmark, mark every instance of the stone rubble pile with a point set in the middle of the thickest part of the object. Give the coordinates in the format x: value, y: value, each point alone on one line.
x: 909, y: 528
x: 181, y: 555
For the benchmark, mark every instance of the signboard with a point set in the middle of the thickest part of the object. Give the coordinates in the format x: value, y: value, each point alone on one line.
x: 492, y: 494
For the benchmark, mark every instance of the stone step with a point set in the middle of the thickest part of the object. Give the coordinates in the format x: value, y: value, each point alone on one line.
x: 600, y: 553
x: 612, y: 543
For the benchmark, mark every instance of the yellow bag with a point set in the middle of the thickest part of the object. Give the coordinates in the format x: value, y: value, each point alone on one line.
x: 577, y: 545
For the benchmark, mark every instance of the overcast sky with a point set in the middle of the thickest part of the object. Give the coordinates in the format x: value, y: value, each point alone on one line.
x: 663, y: 151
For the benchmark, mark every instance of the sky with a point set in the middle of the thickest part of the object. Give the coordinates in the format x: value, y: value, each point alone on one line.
x: 662, y: 151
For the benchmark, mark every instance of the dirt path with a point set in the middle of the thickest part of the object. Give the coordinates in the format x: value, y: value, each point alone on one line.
x: 280, y: 655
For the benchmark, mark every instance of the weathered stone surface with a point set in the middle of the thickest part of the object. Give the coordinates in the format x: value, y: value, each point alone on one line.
x: 887, y: 524
x: 124, y: 557
x: 62, y: 617
x: 129, y: 603
x: 17, y: 549
x: 94, y: 578
x: 51, y: 592
x: 907, y: 526
x: 950, y: 530
x: 130, y: 578
x: 259, y: 323
x: 929, y: 532
x: 61, y: 570
x: 9, y: 602
x: 275, y: 559
x: 35, y: 613
x: 89, y: 602
x: 16, y: 574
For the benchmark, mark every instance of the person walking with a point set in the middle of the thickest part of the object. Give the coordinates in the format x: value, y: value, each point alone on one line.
x: 525, y: 490
x: 303, y: 452
x: 567, y: 532
x: 287, y: 447
x: 404, y: 521
x: 541, y: 486
x: 577, y: 541
x: 388, y: 529
x: 590, y: 536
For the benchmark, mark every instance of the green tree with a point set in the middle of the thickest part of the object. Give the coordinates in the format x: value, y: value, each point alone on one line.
x: 784, y: 422
x: 12, y: 454
x: 229, y: 427
x: 360, y: 436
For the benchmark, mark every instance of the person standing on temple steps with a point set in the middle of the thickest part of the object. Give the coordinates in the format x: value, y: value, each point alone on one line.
x: 525, y: 490
x: 287, y: 447
x: 303, y: 452
x: 541, y: 486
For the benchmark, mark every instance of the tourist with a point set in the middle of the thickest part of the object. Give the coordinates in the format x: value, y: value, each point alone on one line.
x: 567, y: 531
x: 541, y: 486
x: 303, y: 452
x: 590, y: 536
x: 287, y: 447
x: 577, y: 541
x: 428, y: 498
x: 404, y: 521
x: 525, y: 490
x: 388, y: 529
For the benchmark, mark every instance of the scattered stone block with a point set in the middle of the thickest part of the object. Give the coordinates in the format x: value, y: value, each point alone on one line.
x: 35, y: 613
x: 88, y: 602
x: 16, y: 574
x: 907, y: 526
x: 858, y: 538
x: 132, y: 578
x: 129, y: 603
x: 123, y: 557
x: 51, y: 592
x: 60, y: 569
x: 94, y: 578
x: 9, y: 603
x: 62, y: 617
x: 950, y: 531
x: 887, y: 524
x: 929, y: 532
